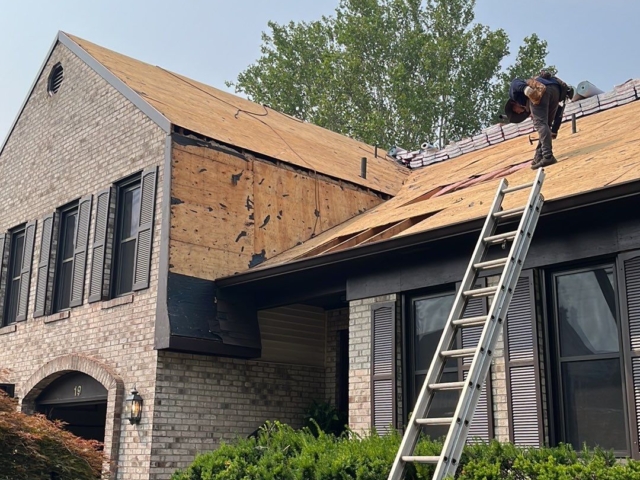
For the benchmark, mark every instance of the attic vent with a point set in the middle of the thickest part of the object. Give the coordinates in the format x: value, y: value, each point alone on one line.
x: 55, y: 79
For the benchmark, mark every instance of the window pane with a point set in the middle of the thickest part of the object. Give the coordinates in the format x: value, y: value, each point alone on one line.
x: 443, y: 404
x: 430, y: 315
x: 125, y: 271
x: 130, y: 213
x: 16, y: 255
x: 593, y: 406
x: 12, y: 308
x: 586, y: 313
x: 69, y: 228
x: 64, y: 285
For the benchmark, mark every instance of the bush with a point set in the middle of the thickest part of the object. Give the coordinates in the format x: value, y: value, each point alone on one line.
x: 282, y: 453
x: 33, y: 448
x: 322, y: 416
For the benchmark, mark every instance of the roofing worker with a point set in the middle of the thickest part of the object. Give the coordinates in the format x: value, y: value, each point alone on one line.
x: 539, y: 97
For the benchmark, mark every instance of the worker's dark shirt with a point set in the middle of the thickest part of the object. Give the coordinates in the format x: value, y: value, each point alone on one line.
x: 516, y: 89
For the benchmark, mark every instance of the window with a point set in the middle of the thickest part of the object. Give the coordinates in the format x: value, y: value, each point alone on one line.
x: 123, y: 237
x: 588, y: 362
x: 428, y: 316
x: 128, y: 221
x: 16, y: 245
x: 64, y: 269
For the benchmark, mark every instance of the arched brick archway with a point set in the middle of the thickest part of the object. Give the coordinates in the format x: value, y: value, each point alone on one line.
x: 60, y: 366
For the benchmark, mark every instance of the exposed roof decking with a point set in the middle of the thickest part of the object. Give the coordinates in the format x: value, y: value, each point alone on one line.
x: 605, y: 152
x: 236, y: 121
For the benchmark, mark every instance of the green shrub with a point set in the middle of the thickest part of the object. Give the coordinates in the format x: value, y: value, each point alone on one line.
x: 281, y: 453
x: 322, y: 416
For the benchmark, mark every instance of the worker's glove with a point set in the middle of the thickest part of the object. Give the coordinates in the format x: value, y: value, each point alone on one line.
x: 534, y: 91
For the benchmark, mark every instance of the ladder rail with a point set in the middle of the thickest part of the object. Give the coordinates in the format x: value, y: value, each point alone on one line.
x: 481, y: 363
x: 410, y: 438
x: 448, y: 460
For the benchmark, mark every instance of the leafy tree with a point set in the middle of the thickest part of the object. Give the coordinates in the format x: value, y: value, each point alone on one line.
x: 389, y: 71
x: 33, y: 448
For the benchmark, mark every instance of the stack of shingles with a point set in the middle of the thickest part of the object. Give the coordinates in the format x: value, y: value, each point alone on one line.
x: 495, y: 134
x: 510, y: 130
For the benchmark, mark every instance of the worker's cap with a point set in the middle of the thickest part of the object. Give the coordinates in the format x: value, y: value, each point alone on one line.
x: 513, y: 116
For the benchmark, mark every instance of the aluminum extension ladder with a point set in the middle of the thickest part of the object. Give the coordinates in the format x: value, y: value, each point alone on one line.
x: 447, y: 461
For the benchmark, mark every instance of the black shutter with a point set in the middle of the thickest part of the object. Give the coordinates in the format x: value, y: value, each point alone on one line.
x: 4, y: 251
x: 482, y: 424
x: 96, y: 282
x: 80, y: 245
x: 522, y: 367
x: 41, y: 307
x: 630, y: 303
x: 25, y: 272
x: 383, y: 367
x: 144, y: 243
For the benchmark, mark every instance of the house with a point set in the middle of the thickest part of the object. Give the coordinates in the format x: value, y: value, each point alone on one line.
x: 232, y: 264
x: 567, y: 367
x: 126, y: 190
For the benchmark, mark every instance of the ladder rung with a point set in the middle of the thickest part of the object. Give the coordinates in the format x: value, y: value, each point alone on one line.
x: 408, y: 458
x: 518, y: 187
x: 434, y: 421
x: 463, y: 352
x: 509, y: 213
x: 470, y: 322
x: 502, y: 237
x: 447, y: 386
x: 481, y: 292
x: 500, y: 262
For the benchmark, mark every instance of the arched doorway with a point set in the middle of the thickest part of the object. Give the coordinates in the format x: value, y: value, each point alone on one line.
x: 78, y: 400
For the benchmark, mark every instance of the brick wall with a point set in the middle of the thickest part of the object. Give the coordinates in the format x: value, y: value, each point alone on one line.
x: 201, y: 401
x: 75, y: 143
x: 360, y: 361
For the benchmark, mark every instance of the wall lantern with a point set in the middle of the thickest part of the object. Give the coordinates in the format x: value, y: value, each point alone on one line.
x: 133, y: 407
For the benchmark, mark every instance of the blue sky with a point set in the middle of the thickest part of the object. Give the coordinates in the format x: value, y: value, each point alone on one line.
x: 213, y: 40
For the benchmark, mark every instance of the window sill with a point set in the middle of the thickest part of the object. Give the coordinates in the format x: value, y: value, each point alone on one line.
x: 8, y: 329
x: 116, y: 302
x: 56, y: 317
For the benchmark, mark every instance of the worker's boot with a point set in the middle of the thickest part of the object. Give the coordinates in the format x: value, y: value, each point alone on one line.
x: 545, y: 162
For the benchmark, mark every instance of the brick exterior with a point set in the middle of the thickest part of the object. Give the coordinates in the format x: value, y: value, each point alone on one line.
x: 63, y: 147
x: 201, y: 401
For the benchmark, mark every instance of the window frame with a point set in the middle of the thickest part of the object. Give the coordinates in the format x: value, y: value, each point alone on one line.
x: 63, y: 213
x: 121, y: 188
x: 557, y: 393
x: 13, y: 234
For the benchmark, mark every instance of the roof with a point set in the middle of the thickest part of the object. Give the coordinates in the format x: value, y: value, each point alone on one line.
x: 605, y: 152
x: 236, y: 121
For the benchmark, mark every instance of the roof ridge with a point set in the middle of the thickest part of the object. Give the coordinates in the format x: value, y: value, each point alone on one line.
x: 498, y: 133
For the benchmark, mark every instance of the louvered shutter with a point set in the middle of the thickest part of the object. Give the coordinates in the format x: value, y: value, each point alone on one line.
x: 3, y: 273
x: 383, y: 367
x: 482, y: 424
x: 96, y: 282
x: 630, y: 302
x: 80, y: 245
x: 144, y: 245
x: 41, y: 307
x: 522, y: 367
x: 25, y: 271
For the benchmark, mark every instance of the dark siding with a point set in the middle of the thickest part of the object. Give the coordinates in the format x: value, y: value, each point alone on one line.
x: 96, y: 282
x: 42, y: 301
x: 144, y: 243
x: 383, y: 405
x: 523, y: 376
x: 25, y: 274
x: 81, y: 245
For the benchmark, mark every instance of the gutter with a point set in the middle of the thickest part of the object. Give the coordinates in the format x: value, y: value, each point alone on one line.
x: 560, y: 205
